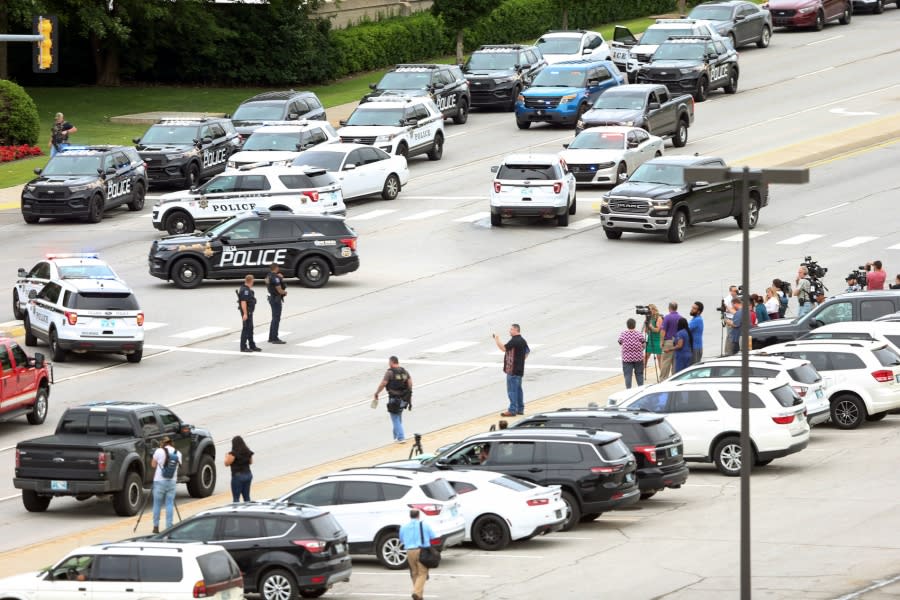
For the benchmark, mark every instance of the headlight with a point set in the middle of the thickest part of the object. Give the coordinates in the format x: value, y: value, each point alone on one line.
x: 520, y: 98
x: 692, y: 69
x: 175, y: 156
x: 81, y: 188
x: 29, y: 188
x: 661, y: 204
x: 606, y: 165
x: 604, y: 202
x: 567, y: 98
x: 385, y: 138
x: 806, y: 10
x: 628, y: 123
x: 509, y: 79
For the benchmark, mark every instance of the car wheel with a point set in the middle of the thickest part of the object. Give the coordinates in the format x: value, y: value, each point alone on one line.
x: 314, y: 272
x: 391, y: 187
x: 820, y: 21
x: 437, y: 150
x: 613, y: 234
x: 512, y: 101
x: 621, y: 173
x: 753, y: 210
x: 30, y: 338
x: 462, y: 112
x: 574, y: 511
x: 137, y: 202
x: 496, y: 220
x: 562, y: 220
x: 678, y: 228
x: 727, y: 456
x: 523, y: 124
x: 58, y: 354
x: 733, y: 40
x: 589, y: 517
x: 731, y: 88
x: 702, y: 91
x: 389, y: 550
x: 847, y: 412
x: 192, y: 176
x: 187, y: 273
x: 846, y: 16
x: 178, y: 222
x: 764, y: 38
x: 30, y: 219
x: 403, y: 150
x: 574, y: 207
x: 278, y: 584
x: 135, y: 357
x: 17, y: 312
x: 681, y: 134
x: 876, y: 417
x: 490, y: 533
x: 879, y: 7
x: 203, y: 483
x: 41, y: 402
x: 648, y: 495
x: 127, y: 501
x: 33, y: 502
x: 95, y: 210
x: 313, y: 593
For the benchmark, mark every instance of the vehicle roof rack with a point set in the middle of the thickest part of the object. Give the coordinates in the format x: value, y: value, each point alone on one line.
x: 689, y: 38
x: 685, y: 21
x: 420, y: 66
x: 565, y: 31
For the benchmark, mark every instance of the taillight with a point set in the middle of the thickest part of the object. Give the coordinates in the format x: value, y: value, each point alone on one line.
x: 101, y: 461
x: 200, y: 589
x: 140, y: 319
x: 312, y: 195
x: 312, y: 546
x: 538, y: 502
x: 649, y: 452
x: 429, y: 509
x: 349, y: 242
x: 497, y: 187
x: 71, y: 317
x: 607, y: 470
x: 800, y: 390
x: 883, y: 376
x: 18, y: 459
x: 557, y: 187
x: 784, y: 420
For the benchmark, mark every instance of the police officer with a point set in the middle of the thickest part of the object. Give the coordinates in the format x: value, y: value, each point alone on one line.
x: 275, y: 284
x: 247, y: 304
x: 399, y: 384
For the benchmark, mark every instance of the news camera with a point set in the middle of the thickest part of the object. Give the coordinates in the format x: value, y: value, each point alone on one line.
x: 642, y: 310
x: 813, y: 269
x: 859, y: 274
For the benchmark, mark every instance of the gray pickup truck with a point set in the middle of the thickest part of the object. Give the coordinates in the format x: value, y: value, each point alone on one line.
x: 105, y: 448
x: 649, y: 106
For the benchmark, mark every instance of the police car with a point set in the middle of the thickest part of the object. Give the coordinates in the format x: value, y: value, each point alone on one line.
x: 57, y: 266
x: 85, y: 181
x: 183, y: 152
x: 86, y: 315
x: 498, y: 72
x: 271, y: 107
x: 445, y: 84
x: 398, y: 125
x: 630, y: 54
x: 307, y: 190
x: 280, y: 143
x: 310, y: 247
x: 694, y: 64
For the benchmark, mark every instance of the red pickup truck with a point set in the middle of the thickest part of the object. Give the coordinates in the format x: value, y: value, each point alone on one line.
x: 24, y: 383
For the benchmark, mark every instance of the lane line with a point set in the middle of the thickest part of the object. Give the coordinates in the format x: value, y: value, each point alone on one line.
x: 450, y: 347
x: 800, y: 239
x: 829, y: 39
x: 583, y: 223
x: 875, y: 586
x: 739, y: 237
x: 473, y: 217
x: 200, y: 332
x: 385, y: 344
x: 425, y: 214
x: 894, y: 247
x: 372, y: 214
x: 578, y: 351
x: 855, y: 241
x: 325, y: 340
x: 811, y: 73
x: 824, y: 210
x: 445, y: 197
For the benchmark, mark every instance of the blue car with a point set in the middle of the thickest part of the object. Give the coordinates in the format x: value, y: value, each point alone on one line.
x: 562, y: 92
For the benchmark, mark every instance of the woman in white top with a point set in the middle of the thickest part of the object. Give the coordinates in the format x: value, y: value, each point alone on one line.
x: 772, y: 303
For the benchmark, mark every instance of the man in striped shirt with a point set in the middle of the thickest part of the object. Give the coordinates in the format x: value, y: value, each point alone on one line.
x: 632, y: 342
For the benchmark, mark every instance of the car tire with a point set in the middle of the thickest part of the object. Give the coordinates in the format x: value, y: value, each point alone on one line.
x: 876, y: 417
x: 753, y: 210
x: 403, y: 150
x: 313, y: 272
x: 820, y: 21
x: 391, y: 188
x: 30, y: 219
x: 732, y: 86
x: 192, y: 176
x: 621, y: 173
x: 95, y: 209
x: 127, y: 501
x: 679, y: 140
x: 41, y: 403
x: 179, y: 222
x: 589, y: 517
x: 389, y: 550
x: 574, y: 511
x: 490, y: 533
x: 512, y: 100
x: 313, y: 592
x: 879, y: 7
x: 187, y: 273
x: 847, y: 15
x: 727, y: 456
x: 523, y: 124
x: 765, y: 38
x: 135, y: 357
x: 562, y: 220
x: 34, y: 502
x: 648, y: 495
x: 203, y: 482
x: 613, y: 234
x: 462, y: 112
x: 137, y: 202
x: 277, y: 584
x: 57, y: 353
x: 437, y: 150
x: 678, y: 228
x: 30, y: 338
x: 702, y: 92
x: 496, y: 220
x: 17, y: 312
x: 847, y: 411
x: 574, y: 207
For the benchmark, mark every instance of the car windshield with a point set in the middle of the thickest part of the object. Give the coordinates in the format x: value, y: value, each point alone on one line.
x: 559, y: 45
x: 223, y: 226
x: 551, y: 77
x: 63, y: 164
x: 86, y: 272
x: 679, y: 52
x: 620, y: 101
x: 658, y: 173
x: 596, y: 140
x: 711, y: 13
x: 376, y: 116
x: 330, y: 161
x: 405, y: 80
x: 169, y: 135
x: 657, y: 36
x: 492, y: 61
x: 272, y: 141
x: 259, y: 111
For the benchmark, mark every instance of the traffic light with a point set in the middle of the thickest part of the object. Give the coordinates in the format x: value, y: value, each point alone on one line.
x: 46, y: 54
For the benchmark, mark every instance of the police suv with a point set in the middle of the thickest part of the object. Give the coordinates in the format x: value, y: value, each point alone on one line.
x: 86, y: 315
x: 280, y: 143
x: 694, y: 64
x: 445, y: 84
x: 57, y: 266
x: 309, y: 190
x: 497, y: 73
x: 398, y: 125
x: 185, y: 151
x: 85, y: 181
x: 310, y: 247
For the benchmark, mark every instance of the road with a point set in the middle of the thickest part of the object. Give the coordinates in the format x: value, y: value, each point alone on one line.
x: 436, y: 280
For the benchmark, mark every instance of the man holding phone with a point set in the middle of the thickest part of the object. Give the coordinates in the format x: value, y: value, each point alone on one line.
x: 515, y: 351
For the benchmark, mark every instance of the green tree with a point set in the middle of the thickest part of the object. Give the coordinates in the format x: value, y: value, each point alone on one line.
x: 19, y: 123
x: 565, y: 5
x: 460, y: 14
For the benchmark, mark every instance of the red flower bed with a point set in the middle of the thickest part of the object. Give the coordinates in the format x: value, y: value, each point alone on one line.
x: 10, y: 153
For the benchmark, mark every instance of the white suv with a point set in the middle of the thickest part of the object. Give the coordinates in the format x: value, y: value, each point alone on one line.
x: 873, y: 331
x: 800, y: 374
x: 57, y: 266
x: 372, y: 504
x: 573, y: 44
x: 865, y: 376
x: 279, y: 143
x: 133, y: 570
x: 707, y: 414
x: 532, y: 185
x: 398, y: 125
x: 86, y: 315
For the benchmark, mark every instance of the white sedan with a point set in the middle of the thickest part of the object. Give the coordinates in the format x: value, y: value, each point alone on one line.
x: 499, y: 508
x: 362, y: 170
x: 609, y: 155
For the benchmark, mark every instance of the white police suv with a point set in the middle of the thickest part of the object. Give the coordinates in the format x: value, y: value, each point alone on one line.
x: 280, y: 143
x: 398, y: 125
x: 56, y: 266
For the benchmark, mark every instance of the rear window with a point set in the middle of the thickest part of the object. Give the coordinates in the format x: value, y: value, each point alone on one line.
x: 103, y: 301
x: 658, y: 430
x: 526, y: 172
x: 95, y: 423
x: 439, y: 489
x: 217, y: 567
x: 160, y: 568
x: 328, y: 228
x: 324, y: 526
x: 786, y: 396
x: 894, y: 339
x: 612, y: 451
x: 887, y: 357
x: 511, y: 483
x: 733, y: 398
x: 805, y: 374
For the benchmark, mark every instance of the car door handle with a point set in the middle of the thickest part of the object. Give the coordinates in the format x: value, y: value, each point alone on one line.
x: 129, y: 589
x: 535, y: 470
x: 82, y: 589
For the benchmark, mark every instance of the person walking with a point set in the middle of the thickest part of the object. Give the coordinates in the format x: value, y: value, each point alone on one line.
x: 165, y: 461
x: 875, y: 277
x: 696, y: 328
x: 247, y: 304
x: 652, y: 326
x: 632, y: 343
x: 667, y: 333
x: 515, y: 351
x: 59, y: 134
x: 414, y: 536
x: 773, y: 303
x: 239, y: 459
x: 398, y: 383
x: 275, y: 285
x: 682, y: 347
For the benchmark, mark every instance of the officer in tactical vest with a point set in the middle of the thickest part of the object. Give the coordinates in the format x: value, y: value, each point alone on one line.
x: 275, y: 285
x: 247, y: 304
x: 398, y: 383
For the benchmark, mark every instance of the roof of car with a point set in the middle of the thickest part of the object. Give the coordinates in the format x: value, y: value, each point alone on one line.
x: 92, y: 149
x: 578, y: 63
x: 673, y: 159
x: 754, y: 358
x: 605, y: 413
x: 145, y: 546
x: 723, y: 2
x: 609, y: 129
x: 185, y: 121
x: 278, y: 95
x: 688, y: 39
x: 568, y: 32
x: 865, y: 294
x: 96, y: 285
x: 827, y: 345
x: 384, y: 472
x: 288, y: 126
x: 394, y: 99
x: 860, y: 326
x: 502, y: 47
x: 531, y: 159
x: 559, y: 434
x: 267, y: 507
x: 342, y: 147
x: 118, y: 404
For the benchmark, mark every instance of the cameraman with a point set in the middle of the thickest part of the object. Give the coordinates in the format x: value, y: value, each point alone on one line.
x: 852, y: 285
x: 734, y: 327
x: 728, y: 311
x: 802, y: 292
x: 875, y: 277
x: 896, y: 284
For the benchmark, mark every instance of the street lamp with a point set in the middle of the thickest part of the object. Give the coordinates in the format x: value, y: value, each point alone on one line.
x: 743, y: 177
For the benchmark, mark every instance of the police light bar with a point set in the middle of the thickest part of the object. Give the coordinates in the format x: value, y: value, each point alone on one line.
x: 267, y: 124
x: 685, y: 21
x: 171, y: 120
x: 55, y: 255
x: 423, y: 66
x: 676, y: 38
x: 393, y: 98
x: 257, y: 165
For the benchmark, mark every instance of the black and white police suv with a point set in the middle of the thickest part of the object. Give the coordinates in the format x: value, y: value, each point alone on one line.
x: 445, y: 84
x: 498, y: 72
x: 401, y: 125
x: 183, y: 152
x: 309, y: 190
x: 695, y: 64
x: 56, y: 266
x: 280, y: 143
x: 86, y: 315
x: 85, y: 181
x: 270, y: 107
x: 310, y: 247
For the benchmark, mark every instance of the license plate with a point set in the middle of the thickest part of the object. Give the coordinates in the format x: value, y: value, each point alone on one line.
x: 338, y: 548
x: 346, y: 252
x: 559, y: 514
x: 111, y: 323
x: 820, y: 394
x: 525, y: 191
x: 897, y: 377
x: 673, y: 452
x: 59, y: 486
x: 453, y: 511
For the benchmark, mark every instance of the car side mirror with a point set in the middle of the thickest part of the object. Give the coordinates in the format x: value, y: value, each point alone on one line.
x: 110, y: 171
x: 32, y: 294
x: 411, y: 122
x: 438, y: 86
x: 136, y: 140
x: 22, y: 272
x: 738, y: 18
x: 653, y: 106
x: 39, y: 360
x: 37, y: 170
x: 494, y: 169
x: 293, y: 116
x: 342, y: 122
x: 373, y: 86
x: 224, y: 239
x: 815, y: 323
x: 633, y: 144
x: 207, y: 140
x: 586, y: 51
x: 565, y: 145
x: 184, y: 428
x: 350, y: 167
x: 700, y: 184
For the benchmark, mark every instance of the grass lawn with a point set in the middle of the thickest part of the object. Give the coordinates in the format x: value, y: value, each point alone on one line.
x: 89, y: 108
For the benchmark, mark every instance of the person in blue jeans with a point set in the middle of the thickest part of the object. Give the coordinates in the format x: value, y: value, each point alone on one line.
x: 239, y: 459
x: 682, y: 346
x: 515, y: 351
x: 398, y: 383
x: 164, y: 487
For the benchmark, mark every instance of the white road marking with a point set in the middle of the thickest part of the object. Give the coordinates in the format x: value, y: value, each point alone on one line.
x: 854, y: 241
x: 828, y: 39
x: 894, y: 247
x: 495, y: 351
x: 875, y: 586
x: 325, y: 340
x: 799, y: 239
x: 473, y: 217
x: 850, y: 113
x: 372, y: 214
x: 811, y: 73
x: 450, y: 347
x: 425, y: 214
x: 385, y: 344
x: 738, y: 237
x: 151, y: 325
x: 578, y: 351
x: 405, y: 197
x: 583, y: 223
x: 197, y: 333
x: 819, y: 212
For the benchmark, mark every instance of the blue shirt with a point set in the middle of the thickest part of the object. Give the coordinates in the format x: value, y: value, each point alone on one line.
x: 411, y: 535
x: 685, y: 350
x: 696, y: 327
x: 735, y: 334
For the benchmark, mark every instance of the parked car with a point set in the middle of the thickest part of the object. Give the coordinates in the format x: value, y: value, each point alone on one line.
x: 809, y: 13
x: 24, y: 383
x: 57, y: 266
x: 533, y: 185
x: 608, y: 155
x: 362, y: 170
x: 572, y: 44
x: 278, y: 144
x: 269, y: 107
x: 497, y: 73
x: 874, y: 331
x: 741, y: 21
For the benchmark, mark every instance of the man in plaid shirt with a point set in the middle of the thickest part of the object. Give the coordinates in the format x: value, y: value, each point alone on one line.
x: 632, y: 342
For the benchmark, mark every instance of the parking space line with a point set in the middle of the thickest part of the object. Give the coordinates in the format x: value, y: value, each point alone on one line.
x: 197, y: 333
x: 450, y: 347
x: 325, y: 340
x: 579, y: 351
x: 425, y: 214
x: 819, y: 212
x: 799, y: 239
x: 372, y: 214
x: 385, y: 344
x: 855, y: 241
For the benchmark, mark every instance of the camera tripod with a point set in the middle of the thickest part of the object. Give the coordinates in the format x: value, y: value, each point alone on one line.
x: 655, y: 367
x: 144, y: 507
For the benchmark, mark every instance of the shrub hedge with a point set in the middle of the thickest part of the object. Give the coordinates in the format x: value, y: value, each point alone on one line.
x: 19, y: 122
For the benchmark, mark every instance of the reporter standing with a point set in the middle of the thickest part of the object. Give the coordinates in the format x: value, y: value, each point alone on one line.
x: 239, y: 459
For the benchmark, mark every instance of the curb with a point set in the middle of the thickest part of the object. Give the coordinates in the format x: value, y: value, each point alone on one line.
x: 13, y: 329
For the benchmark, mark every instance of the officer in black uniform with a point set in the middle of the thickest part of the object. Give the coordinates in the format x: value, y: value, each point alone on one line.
x: 275, y: 284
x: 247, y: 304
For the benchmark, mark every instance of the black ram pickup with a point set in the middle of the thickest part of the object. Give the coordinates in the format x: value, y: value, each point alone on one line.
x: 105, y: 448
x: 648, y: 106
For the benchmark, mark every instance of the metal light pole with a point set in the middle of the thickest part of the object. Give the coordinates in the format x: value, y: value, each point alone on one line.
x: 745, y: 177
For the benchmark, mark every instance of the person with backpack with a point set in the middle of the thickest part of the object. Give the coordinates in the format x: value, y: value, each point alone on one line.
x: 398, y: 383
x: 165, y: 461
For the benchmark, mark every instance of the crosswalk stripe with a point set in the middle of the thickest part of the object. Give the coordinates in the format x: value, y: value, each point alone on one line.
x: 582, y: 223
x: 325, y: 340
x: 800, y: 239
x: 894, y: 247
x: 372, y: 214
x: 444, y: 197
x: 385, y: 344
x: 855, y: 241
x: 737, y: 237
x: 473, y: 217
x: 578, y: 351
x: 198, y: 333
x: 425, y: 214
x: 451, y: 347
x: 151, y: 325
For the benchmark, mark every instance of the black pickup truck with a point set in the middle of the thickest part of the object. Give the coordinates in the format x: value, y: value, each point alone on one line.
x: 105, y: 448
x: 656, y: 199
x: 649, y: 106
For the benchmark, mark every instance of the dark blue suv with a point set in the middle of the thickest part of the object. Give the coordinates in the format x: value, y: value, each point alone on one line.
x: 562, y: 92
